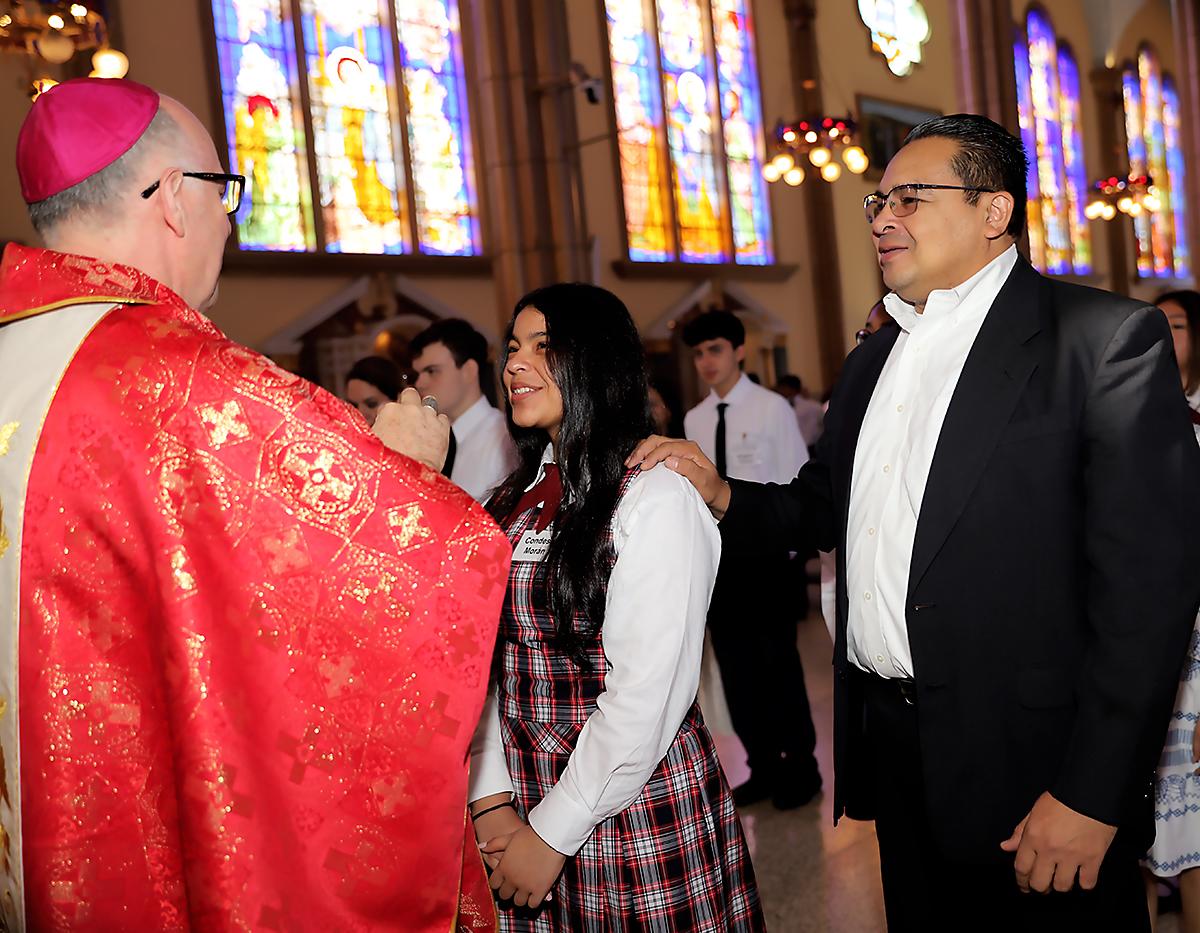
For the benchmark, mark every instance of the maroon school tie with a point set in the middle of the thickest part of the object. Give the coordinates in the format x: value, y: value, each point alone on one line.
x: 548, y: 491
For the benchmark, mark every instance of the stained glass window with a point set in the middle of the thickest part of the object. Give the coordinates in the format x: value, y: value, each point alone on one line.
x: 1152, y: 134
x: 256, y: 56
x: 689, y: 130
x: 380, y: 162
x: 1048, y: 111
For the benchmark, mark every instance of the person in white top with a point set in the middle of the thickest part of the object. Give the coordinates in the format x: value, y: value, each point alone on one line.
x: 751, y: 433
x: 810, y: 414
x: 594, y: 782
x: 1009, y: 474
x: 451, y: 360
x: 1176, y: 849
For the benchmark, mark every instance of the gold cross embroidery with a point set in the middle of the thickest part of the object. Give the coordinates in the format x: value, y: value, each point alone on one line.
x: 6, y: 433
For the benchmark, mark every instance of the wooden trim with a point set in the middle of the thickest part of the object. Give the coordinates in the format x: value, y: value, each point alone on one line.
x: 398, y: 94
x: 699, y: 271
x: 310, y: 136
x: 352, y: 264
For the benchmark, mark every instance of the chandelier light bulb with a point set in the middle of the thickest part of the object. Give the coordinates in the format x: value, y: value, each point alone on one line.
x: 794, y: 176
x: 789, y: 136
x: 831, y: 172
x: 783, y: 161
x: 820, y: 156
x: 810, y: 136
x: 855, y: 159
x: 1125, y: 204
x: 1094, y: 210
x: 1135, y: 210
x: 1151, y: 203
x: 109, y: 63
x: 79, y: 11
x: 55, y: 21
x: 770, y: 172
x: 1109, y: 212
x: 54, y: 47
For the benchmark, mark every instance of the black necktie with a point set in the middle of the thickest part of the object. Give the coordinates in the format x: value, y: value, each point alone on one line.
x: 721, y: 406
x: 449, y: 465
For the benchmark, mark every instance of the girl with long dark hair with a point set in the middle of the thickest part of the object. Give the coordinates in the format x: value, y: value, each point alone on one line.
x: 595, y: 784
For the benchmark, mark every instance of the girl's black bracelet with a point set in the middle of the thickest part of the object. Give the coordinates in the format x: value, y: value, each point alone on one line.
x: 499, y: 806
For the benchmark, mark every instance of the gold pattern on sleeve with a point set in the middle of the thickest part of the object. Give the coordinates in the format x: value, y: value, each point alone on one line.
x: 6, y: 433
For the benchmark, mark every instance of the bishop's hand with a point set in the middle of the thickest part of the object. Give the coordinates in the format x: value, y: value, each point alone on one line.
x: 415, y: 430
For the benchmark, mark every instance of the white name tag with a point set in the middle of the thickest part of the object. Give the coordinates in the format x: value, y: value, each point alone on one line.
x: 533, y: 546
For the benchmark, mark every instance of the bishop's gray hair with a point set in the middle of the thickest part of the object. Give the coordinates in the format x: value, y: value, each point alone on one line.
x: 98, y: 192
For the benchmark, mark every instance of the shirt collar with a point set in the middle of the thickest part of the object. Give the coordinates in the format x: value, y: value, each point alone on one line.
x: 949, y: 300
x: 470, y: 419
x: 547, y: 457
x: 736, y: 394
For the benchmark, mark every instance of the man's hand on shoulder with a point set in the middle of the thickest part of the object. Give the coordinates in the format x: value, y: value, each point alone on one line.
x: 686, y: 459
x: 1054, y: 844
x: 413, y: 429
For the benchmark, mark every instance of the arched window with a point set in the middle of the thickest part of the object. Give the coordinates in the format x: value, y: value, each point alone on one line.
x: 358, y: 144
x: 1049, y: 114
x: 1152, y: 133
x: 689, y: 131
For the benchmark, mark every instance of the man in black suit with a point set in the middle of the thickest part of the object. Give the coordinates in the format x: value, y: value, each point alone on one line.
x: 1009, y: 475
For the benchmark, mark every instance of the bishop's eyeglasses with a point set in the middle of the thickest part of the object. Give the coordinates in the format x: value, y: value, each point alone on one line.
x: 232, y: 187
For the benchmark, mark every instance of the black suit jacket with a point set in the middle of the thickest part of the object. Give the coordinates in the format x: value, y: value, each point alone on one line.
x: 1055, y: 573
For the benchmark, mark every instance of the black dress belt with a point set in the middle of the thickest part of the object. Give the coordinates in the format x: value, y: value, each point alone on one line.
x: 889, y: 687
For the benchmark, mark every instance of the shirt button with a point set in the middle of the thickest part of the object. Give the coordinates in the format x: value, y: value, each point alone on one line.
x: 887, y: 468
x: 879, y: 658
x: 871, y: 532
x: 899, y: 408
x: 867, y: 597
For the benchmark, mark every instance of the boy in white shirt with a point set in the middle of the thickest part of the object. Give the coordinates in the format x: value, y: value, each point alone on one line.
x: 751, y: 433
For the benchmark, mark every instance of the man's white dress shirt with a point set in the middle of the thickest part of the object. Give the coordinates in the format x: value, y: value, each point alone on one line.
x: 895, y: 451
x: 668, y: 548
x: 485, y: 452
x: 763, y: 443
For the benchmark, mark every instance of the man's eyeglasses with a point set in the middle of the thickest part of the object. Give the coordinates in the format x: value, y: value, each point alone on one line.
x: 902, y: 200
x: 232, y: 187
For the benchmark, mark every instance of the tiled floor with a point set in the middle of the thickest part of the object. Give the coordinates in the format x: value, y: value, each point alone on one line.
x: 813, y: 878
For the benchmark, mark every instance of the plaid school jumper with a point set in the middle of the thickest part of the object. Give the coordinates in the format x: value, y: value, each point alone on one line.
x: 673, y: 860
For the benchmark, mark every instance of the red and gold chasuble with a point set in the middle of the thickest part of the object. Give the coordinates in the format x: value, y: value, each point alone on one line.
x: 243, y: 647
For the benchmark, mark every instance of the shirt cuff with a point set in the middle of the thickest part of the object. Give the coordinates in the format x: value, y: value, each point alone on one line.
x: 562, y: 823
x: 489, y: 775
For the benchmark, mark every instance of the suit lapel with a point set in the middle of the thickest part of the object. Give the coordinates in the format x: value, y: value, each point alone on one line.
x: 999, y: 365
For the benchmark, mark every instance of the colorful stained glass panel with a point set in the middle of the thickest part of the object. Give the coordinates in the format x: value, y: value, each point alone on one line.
x: 1033, y: 204
x: 1175, y: 171
x: 689, y: 94
x: 1044, y: 96
x: 256, y: 60
x: 741, y: 114
x: 350, y: 69
x: 1162, y: 237
x: 637, y: 96
x: 438, y: 127
x: 1131, y: 90
x: 1073, y: 164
